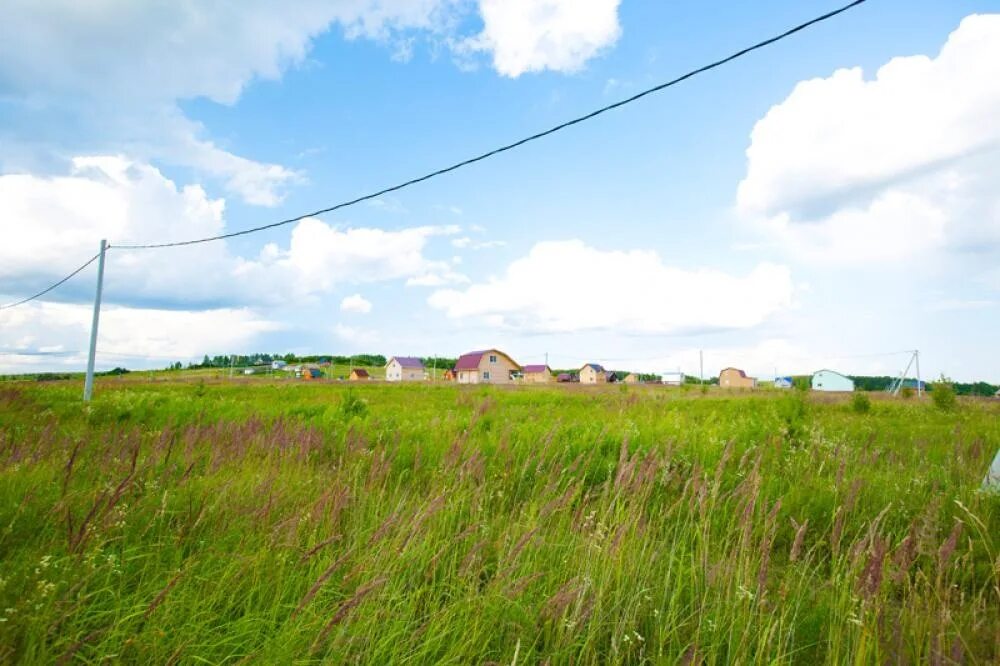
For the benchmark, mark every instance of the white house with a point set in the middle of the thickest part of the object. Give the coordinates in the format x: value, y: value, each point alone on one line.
x: 278, y: 365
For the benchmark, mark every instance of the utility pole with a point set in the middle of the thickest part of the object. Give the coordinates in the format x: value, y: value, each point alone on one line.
x: 701, y: 366
x: 88, y: 384
x: 916, y: 356
x: 546, y: 359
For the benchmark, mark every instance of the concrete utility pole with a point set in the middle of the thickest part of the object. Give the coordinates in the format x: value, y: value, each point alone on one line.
x: 701, y: 366
x: 88, y: 384
x: 916, y: 355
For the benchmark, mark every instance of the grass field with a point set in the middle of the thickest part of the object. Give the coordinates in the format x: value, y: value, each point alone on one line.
x: 290, y: 522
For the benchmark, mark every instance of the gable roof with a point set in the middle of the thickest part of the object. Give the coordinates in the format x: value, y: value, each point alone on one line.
x: 407, y: 362
x: 742, y: 374
x: 597, y: 367
x: 470, y: 361
x: 536, y: 368
x: 360, y: 372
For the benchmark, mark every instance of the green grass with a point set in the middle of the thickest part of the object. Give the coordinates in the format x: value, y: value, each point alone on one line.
x: 294, y: 522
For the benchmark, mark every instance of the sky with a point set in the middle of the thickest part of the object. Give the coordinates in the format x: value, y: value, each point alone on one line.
x: 829, y: 201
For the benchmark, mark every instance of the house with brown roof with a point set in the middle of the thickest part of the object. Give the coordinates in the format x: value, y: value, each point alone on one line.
x: 537, y: 374
x: 405, y: 369
x: 593, y: 373
x: 359, y: 375
x: 565, y: 378
x: 736, y: 378
x: 490, y: 366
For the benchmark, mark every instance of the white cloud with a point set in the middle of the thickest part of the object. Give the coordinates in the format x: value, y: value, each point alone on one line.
x: 896, y: 167
x: 360, y: 337
x: 535, y: 35
x: 356, y: 303
x: 567, y: 286
x: 110, y: 76
x: 61, y: 219
x: 464, y: 242
x: 127, y: 335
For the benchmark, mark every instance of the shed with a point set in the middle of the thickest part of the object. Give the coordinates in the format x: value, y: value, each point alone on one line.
x: 632, y: 378
x: 783, y: 382
x: 830, y: 380
x: 312, y: 373
x: 536, y: 374
x: 564, y: 378
x: 449, y: 375
x: 359, y: 375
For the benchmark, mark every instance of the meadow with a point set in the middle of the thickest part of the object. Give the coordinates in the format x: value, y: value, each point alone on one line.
x: 259, y: 521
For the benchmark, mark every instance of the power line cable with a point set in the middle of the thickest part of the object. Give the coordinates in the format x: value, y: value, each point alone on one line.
x: 48, y: 289
x: 515, y: 144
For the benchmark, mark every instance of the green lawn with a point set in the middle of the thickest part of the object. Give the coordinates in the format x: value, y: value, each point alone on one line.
x: 266, y: 521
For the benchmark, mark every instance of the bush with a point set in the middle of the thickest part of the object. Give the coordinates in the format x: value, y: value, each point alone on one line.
x: 860, y: 402
x: 943, y: 394
x: 906, y: 393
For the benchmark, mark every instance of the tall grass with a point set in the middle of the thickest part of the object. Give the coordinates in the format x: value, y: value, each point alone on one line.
x: 292, y: 523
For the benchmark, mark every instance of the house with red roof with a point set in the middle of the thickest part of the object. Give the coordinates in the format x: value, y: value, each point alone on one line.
x: 537, y: 374
x: 405, y: 369
x: 490, y: 366
x: 359, y: 375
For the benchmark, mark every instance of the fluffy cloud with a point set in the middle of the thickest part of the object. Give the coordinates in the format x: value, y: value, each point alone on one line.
x: 62, y: 218
x: 567, y: 286
x: 891, y: 168
x: 356, y: 303
x: 534, y: 35
x: 127, y: 335
x: 110, y: 75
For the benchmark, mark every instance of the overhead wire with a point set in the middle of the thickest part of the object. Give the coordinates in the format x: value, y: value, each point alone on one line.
x: 509, y: 146
x: 50, y: 288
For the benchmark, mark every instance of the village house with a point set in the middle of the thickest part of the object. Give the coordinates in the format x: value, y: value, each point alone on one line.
x: 405, y: 369
x: 736, y: 378
x: 593, y: 373
x: 672, y: 378
x: 564, y: 378
x: 537, y: 374
x: 490, y: 366
x: 632, y: 378
x: 359, y: 375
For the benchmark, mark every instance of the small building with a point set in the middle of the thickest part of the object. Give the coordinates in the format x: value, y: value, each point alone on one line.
x: 593, y: 373
x: 449, y: 375
x: 359, y: 375
x: 564, y: 378
x: 405, y: 369
x: 672, y: 378
x: 736, y: 378
x: 536, y: 374
x: 830, y: 380
x: 490, y: 366
x: 312, y: 372
x: 249, y: 371
x: 783, y: 382
x: 632, y: 378
x: 278, y: 365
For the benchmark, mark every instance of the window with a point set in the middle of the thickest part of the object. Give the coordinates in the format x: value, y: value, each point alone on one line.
x: 493, y: 358
x: 486, y: 375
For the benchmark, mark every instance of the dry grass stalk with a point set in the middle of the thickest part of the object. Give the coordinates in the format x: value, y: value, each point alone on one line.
x: 800, y: 535
x: 347, y: 607
x: 163, y: 594
x: 325, y: 576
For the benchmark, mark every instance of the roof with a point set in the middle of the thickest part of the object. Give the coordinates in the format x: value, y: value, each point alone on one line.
x: 596, y: 366
x: 470, y: 361
x: 566, y: 376
x: 536, y: 368
x: 832, y: 372
x: 408, y: 361
x: 360, y: 372
x: 742, y: 374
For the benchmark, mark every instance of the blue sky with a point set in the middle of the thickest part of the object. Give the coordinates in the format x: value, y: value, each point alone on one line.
x: 861, y: 221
